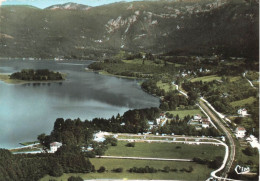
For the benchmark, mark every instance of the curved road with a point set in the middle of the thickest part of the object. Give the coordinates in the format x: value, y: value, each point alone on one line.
x: 228, y: 135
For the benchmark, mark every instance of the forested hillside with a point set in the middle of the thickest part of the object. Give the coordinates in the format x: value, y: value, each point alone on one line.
x: 200, y: 27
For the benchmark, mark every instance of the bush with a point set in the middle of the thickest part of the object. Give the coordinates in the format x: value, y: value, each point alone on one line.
x: 72, y: 178
x: 200, y: 161
x: 146, y: 169
x: 111, y: 140
x: 101, y: 169
x: 166, y: 169
x: 250, y: 151
x: 114, y: 144
x: 174, y: 170
x: 118, y: 170
x: 132, y: 144
x: 90, y: 154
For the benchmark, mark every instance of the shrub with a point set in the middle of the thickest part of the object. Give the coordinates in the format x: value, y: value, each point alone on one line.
x: 174, y: 170
x: 118, y: 170
x: 166, y: 169
x: 72, y: 178
x: 250, y: 151
x: 132, y: 144
x: 101, y: 169
x: 146, y: 169
x: 90, y: 154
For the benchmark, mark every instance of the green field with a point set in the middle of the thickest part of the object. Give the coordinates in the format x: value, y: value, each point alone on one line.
x: 166, y: 86
x: 243, y: 102
x: 200, y: 172
x: 140, y: 62
x: 183, y: 113
x: 165, y: 150
x: 119, y: 76
x: 206, y: 78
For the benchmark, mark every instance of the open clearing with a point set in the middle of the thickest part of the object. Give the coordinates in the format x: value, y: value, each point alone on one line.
x: 183, y: 113
x: 165, y: 150
x: 206, y: 78
x: 200, y: 172
x: 243, y: 102
x: 165, y: 86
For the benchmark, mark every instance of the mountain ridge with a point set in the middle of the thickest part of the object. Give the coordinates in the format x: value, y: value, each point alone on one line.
x: 69, y: 6
x: 203, y: 27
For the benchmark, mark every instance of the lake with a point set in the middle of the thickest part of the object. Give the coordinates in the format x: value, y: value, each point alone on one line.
x: 27, y: 110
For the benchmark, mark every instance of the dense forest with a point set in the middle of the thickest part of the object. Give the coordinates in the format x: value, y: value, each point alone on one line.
x: 36, y: 75
x: 26, y: 167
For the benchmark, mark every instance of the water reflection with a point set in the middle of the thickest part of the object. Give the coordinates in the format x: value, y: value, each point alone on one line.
x: 27, y: 110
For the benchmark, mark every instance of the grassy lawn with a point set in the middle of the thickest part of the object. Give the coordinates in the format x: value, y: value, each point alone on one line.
x: 165, y: 150
x: 206, y: 78
x: 256, y: 84
x: 242, y: 158
x: 140, y: 62
x: 200, y: 172
x: 183, y: 113
x: 119, y: 76
x: 166, y: 86
x: 243, y: 102
x: 233, y: 79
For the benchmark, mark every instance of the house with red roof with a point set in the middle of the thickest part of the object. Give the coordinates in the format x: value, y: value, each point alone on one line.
x: 240, y: 132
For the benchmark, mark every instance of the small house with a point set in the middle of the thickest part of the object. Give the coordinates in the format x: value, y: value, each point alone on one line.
x: 242, y: 112
x: 197, y: 117
x: 100, y: 136
x: 54, y: 147
x: 205, y: 124
x: 240, y: 132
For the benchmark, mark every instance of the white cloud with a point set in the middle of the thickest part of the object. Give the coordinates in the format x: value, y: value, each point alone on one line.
x: 1, y: 2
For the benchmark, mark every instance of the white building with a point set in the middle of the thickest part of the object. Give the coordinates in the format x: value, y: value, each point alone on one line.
x: 161, y: 120
x: 205, y: 124
x: 242, y: 112
x: 100, y: 136
x: 240, y: 132
x: 253, y: 142
x: 197, y: 117
x: 54, y: 147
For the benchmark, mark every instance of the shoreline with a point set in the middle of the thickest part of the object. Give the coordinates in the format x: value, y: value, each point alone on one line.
x: 103, y: 72
x: 6, y: 79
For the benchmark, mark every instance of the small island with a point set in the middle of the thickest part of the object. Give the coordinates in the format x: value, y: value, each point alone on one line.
x: 36, y: 75
x: 30, y: 75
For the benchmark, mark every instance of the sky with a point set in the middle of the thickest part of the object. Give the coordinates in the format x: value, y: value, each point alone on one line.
x: 45, y: 3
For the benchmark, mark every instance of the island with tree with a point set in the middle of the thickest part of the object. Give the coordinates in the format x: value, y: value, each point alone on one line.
x: 36, y: 75
x: 30, y: 75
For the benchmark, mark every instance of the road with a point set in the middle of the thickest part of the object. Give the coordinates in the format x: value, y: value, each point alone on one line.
x: 146, y: 158
x: 228, y: 136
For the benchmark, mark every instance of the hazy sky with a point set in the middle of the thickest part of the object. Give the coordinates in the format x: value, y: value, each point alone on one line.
x: 46, y: 3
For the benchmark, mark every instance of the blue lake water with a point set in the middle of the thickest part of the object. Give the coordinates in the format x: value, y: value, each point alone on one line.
x: 27, y: 110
